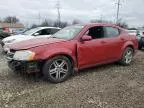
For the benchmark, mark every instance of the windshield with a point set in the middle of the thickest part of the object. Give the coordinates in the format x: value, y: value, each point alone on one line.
x: 29, y: 32
x: 68, y: 32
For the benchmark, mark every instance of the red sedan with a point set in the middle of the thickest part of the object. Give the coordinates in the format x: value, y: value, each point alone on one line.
x: 73, y: 48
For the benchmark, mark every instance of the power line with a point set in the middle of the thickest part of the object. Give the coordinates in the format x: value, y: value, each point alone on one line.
x: 39, y: 17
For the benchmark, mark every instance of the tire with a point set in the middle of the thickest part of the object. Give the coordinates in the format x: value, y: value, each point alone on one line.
x: 127, y: 56
x: 57, y: 69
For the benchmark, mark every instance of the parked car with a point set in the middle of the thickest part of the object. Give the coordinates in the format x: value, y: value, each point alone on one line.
x: 3, y: 35
x: 18, y: 31
x: 33, y: 33
x: 132, y: 32
x: 140, y: 37
x: 73, y: 48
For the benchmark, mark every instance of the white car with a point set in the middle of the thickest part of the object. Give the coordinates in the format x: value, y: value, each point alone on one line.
x: 132, y: 32
x: 33, y: 33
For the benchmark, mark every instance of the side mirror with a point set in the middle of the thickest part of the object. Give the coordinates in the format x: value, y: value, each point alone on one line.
x: 86, y: 38
x: 36, y: 34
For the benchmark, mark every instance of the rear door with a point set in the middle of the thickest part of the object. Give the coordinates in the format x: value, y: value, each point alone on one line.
x: 113, y: 43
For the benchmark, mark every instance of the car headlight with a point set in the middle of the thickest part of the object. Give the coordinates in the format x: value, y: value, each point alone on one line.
x: 24, y: 55
x: 9, y: 41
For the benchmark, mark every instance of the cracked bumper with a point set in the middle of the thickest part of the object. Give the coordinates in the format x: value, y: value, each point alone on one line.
x: 24, y: 66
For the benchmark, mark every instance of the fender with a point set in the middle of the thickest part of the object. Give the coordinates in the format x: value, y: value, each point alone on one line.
x: 128, y: 43
x: 59, y: 51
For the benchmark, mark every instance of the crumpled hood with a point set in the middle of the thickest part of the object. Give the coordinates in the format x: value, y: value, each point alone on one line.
x: 33, y: 43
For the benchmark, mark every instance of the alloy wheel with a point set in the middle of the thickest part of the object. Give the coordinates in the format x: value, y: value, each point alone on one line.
x: 128, y: 56
x: 58, y: 69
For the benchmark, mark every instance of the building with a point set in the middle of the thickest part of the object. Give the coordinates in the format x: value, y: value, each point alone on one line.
x: 10, y: 27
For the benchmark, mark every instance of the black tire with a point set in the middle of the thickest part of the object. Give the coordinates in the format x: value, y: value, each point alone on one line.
x: 123, y: 59
x: 51, y: 63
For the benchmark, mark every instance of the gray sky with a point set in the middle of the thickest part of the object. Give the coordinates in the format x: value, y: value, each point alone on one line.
x: 131, y: 11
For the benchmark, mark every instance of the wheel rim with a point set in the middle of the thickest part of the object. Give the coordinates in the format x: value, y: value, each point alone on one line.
x: 128, y: 56
x: 58, y: 69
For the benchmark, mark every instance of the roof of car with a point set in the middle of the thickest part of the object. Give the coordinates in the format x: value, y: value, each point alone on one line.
x: 49, y: 27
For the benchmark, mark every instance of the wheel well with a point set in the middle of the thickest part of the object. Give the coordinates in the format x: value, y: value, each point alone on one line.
x: 69, y: 57
x: 131, y: 47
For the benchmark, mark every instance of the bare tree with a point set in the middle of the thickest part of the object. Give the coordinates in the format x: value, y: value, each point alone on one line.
x: 122, y: 24
x: 11, y: 19
x: 101, y: 21
x: 46, y: 23
x: 75, y: 22
x: 33, y: 26
x: 61, y: 24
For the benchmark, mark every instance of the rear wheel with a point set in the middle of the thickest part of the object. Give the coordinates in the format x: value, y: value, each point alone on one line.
x: 57, y: 69
x: 127, y: 56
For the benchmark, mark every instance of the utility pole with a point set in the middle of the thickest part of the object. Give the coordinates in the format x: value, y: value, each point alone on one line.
x: 58, y: 11
x: 118, y: 7
x: 101, y: 18
x: 39, y: 18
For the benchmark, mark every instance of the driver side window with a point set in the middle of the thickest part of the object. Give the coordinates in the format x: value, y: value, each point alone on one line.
x: 44, y: 32
x: 96, y: 32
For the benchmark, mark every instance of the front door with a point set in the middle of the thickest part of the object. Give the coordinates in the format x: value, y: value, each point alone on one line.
x: 91, y: 52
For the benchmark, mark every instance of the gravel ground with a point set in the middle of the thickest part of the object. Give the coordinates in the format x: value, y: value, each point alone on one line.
x: 108, y: 86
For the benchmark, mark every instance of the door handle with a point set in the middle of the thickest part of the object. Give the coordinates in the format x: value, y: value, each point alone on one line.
x: 103, y: 42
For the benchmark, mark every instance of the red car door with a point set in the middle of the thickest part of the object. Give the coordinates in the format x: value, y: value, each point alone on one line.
x: 113, y: 43
x: 91, y: 52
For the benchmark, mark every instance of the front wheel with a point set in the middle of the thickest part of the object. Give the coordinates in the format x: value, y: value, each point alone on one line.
x: 127, y: 56
x: 57, y: 69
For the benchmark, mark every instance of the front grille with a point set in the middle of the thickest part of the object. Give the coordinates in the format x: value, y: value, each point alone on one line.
x: 10, y: 54
x: 12, y: 50
x: 2, y: 44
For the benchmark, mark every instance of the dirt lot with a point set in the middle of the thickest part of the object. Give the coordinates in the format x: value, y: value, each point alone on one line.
x: 108, y: 86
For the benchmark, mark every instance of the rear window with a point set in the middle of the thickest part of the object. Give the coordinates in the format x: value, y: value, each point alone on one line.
x: 53, y: 31
x: 111, y: 32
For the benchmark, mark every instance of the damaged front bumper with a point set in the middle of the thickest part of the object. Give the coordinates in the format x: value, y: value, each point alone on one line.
x: 1, y: 43
x: 25, y: 66
x: 21, y: 65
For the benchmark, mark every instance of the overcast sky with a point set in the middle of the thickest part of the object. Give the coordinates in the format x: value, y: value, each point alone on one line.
x: 131, y: 11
